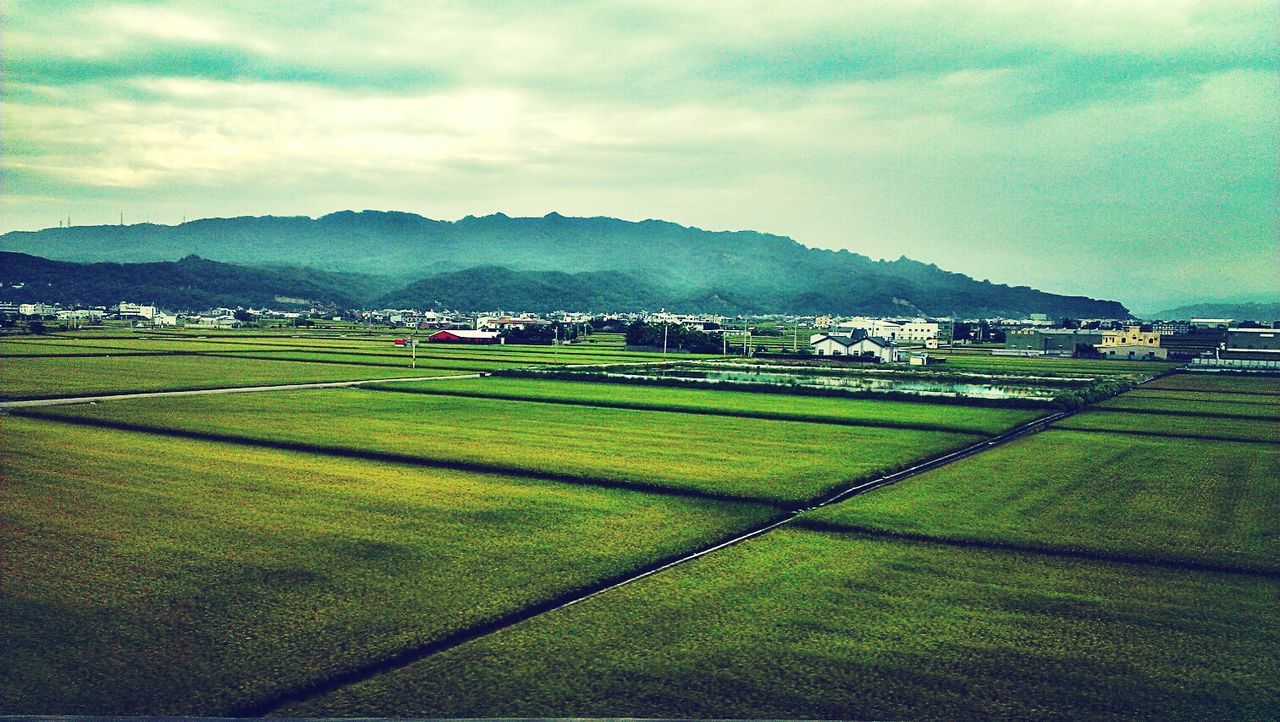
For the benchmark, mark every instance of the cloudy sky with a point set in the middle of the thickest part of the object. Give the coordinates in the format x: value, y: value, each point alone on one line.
x: 1117, y: 148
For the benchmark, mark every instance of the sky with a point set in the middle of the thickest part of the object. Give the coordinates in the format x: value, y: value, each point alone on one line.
x: 1118, y: 149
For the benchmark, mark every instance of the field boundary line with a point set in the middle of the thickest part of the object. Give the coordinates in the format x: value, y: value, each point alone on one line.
x: 1184, y: 414
x: 1084, y: 555
x: 1172, y: 435
x: 410, y: 656
x: 110, y: 396
x: 473, y: 467
x: 696, y: 411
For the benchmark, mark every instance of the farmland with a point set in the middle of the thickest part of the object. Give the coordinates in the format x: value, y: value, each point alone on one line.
x: 778, y: 461
x: 44, y: 377
x: 207, y: 574
x: 819, y: 625
x: 398, y: 549
x: 1064, y: 575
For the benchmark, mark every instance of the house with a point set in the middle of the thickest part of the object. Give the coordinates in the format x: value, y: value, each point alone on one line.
x: 508, y: 323
x: 857, y: 344
x: 1129, y: 336
x: 923, y: 359
x: 1134, y: 352
x: 873, y: 327
x: 465, y: 336
x: 219, y: 321
x: 132, y: 310
x: 37, y: 309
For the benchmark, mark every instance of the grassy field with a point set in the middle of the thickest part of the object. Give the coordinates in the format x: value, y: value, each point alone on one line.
x: 1255, y: 406
x: 1210, y: 502
x: 382, y: 347
x: 1070, y: 574
x: 967, y: 419
x: 163, y: 576
x: 45, y: 377
x: 1260, y: 430
x: 833, y: 626
x: 1229, y: 383
x: 191, y: 555
x: 779, y: 461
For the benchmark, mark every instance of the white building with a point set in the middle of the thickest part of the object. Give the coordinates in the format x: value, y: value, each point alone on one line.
x: 856, y: 345
x: 133, y: 309
x: 223, y: 321
x: 917, y: 330
x: 36, y: 309
x: 883, y: 328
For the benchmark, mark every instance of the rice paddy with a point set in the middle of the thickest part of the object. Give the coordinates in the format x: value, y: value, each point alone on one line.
x: 313, y: 552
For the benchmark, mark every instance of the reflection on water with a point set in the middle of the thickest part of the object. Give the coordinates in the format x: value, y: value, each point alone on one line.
x: 850, y: 382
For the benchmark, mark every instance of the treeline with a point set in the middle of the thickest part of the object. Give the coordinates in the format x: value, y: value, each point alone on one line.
x: 672, y: 336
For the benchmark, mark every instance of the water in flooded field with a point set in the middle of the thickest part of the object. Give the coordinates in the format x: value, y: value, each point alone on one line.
x: 851, y: 382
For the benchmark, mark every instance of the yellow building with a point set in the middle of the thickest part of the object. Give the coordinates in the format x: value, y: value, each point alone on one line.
x: 1131, y: 336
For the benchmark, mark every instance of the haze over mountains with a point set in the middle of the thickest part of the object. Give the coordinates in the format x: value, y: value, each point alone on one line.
x: 553, y: 262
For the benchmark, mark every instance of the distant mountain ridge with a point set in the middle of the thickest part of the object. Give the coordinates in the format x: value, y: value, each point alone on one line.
x: 1236, y: 311
x: 620, y: 265
x: 191, y: 284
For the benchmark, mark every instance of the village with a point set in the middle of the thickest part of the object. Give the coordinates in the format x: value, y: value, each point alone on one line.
x: 1222, y: 342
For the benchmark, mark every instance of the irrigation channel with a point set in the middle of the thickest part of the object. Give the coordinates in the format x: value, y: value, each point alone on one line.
x: 406, y: 657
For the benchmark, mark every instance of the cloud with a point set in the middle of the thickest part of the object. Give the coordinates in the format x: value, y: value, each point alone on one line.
x: 1097, y: 135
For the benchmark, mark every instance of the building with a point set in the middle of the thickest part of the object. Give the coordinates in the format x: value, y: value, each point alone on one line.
x: 37, y: 309
x: 1212, y: 322
x: 1193, y: 344
x: 1258, y: 344
x: 1129, y: 336
x: 508, y: 323
x: 1133, y: 352
x: 465, y: 336
x: 127, y: 310
x: 1171, y: 328
x: 856, y: 345
x: 880, y: 327
x: 1049, y: 341
x: 219, y: 321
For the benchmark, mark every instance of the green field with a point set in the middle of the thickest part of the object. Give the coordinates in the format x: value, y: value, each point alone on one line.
x: 777, y: 461
x: 1225, y: 383
x: 163, y: 576
x: 197, y: 554
x: 1211, y: 502
x: 833, y: 626
x: 967, y: 419
x: 1066, y: 575
x: 1247, y: 406
x: 1189, y: 427
x: 50, y: 377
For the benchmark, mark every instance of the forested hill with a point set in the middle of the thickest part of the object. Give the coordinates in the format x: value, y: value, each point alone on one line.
x: 192, y: 283
x: 649, y: 261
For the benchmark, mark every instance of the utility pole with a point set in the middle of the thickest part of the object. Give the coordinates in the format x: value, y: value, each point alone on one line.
x: 413, y: 351
x: 795, y: 336
x: 665, y: 326
x: 746, y: 334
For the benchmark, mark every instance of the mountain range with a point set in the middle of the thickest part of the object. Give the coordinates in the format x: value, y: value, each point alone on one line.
x: 554, y: 262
